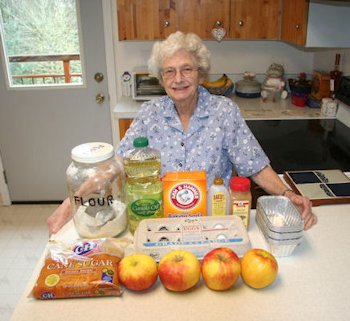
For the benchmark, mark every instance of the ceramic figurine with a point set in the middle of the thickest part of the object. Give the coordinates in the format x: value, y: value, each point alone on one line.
x: 273, y: 86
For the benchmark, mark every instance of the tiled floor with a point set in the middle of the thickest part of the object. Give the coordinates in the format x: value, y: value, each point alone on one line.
x: 23, y: 235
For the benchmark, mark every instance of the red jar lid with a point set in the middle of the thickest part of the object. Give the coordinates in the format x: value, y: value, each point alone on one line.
x: 239, y: 183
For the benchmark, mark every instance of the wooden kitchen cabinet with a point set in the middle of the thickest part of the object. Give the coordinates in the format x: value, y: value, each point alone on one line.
x: 201, y: 16
x: 295, y: 21
x: 299, y: 22
x: 316, y: 24
x: 146, y: 19
x: 156, y: 19
x: 124, y: 125
x: 255, y: 19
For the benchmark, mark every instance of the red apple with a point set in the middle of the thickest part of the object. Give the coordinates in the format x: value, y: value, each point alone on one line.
x: 259, y: 268
x: 179, y: 270
x: 137, y: 272
x: 221, y: 269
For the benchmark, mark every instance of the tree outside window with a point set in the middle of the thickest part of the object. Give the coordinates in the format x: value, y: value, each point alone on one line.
x: 41, y: 41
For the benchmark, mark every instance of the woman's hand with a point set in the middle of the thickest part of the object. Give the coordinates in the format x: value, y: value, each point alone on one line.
x: 304, y: 205
x: 104, y: 175
x: 59, y: 217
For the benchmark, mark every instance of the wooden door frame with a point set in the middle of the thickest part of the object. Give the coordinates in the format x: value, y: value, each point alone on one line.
x: 109, y: 9
x: 4, y: 191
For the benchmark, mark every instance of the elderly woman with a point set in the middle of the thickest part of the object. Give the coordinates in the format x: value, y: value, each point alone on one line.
x: 195, y: 130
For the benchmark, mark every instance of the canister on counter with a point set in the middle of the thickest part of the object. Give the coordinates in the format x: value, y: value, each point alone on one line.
x: 329, y: 107
x: 320, y: 85
x: 96, y: 190
x: 241, y: 198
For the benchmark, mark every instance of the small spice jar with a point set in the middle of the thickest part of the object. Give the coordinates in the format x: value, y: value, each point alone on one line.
x: 218, y: 199
x: 95, y: 182
x: 241, y: 198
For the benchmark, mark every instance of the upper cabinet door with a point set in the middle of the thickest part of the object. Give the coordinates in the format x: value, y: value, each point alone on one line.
x: 294, y: 21
x: 255, y: 19
x: 201, y: 16
x: 146, y: 19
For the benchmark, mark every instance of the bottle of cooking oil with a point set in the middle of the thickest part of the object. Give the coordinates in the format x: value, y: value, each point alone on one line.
x: 144, y: 190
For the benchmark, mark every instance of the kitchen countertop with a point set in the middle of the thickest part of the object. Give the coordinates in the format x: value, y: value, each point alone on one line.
x: 313, y: 284
x: 256, y: 109
x: 251, y: 109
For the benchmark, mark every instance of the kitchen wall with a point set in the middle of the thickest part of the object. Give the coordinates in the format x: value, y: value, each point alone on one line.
x: 235, y: 57
x: 231, y: 57
x: 324, y: 60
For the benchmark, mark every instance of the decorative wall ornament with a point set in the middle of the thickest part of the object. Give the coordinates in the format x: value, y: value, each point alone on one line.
x: 218, y: 32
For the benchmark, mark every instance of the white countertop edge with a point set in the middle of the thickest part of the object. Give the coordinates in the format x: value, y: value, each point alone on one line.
x: 251, y: 109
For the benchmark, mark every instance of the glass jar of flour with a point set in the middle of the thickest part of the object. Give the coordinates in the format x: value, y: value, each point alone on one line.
x: 96, y: 190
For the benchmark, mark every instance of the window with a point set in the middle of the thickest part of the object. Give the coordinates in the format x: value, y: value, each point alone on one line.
x: 40, y: 40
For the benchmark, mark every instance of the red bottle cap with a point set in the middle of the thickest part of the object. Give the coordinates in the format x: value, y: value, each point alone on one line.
x: 239, y: 183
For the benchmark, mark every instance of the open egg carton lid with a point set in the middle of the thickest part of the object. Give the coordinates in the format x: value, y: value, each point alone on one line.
x: 198, y: 235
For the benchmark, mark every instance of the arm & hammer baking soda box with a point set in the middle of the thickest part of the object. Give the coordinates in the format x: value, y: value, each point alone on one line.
x: 184, y: 194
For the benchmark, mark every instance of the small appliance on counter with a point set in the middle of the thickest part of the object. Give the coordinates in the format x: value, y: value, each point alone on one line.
x: 145, y: 86
x: 248, y: 87
x: 343, y: 93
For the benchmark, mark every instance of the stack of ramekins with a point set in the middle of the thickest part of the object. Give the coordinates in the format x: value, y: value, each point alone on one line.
x: 280, y: 223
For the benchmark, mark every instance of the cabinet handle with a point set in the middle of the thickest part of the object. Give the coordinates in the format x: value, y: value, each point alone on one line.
x: 166, y: 24
x: 297, y: 26
x: 241, y: 23
x: 218, y: 23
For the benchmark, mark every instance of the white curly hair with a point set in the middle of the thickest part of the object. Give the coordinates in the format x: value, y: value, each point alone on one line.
x: 175, y: 42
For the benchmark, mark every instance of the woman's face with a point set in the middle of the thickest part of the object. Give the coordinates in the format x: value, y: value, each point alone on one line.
x: 180, y: 77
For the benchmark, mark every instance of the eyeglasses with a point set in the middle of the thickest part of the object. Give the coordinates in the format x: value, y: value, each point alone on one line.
x: 186, y: 72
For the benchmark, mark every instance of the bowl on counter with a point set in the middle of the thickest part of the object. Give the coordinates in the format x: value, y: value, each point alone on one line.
x: 300, y: 90
x: 248, y: 87
x: 299, y: 100
x: 222, y: 87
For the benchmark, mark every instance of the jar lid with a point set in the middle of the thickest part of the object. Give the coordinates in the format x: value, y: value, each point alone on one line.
x: 240, y: 184
x: 218, y: 181
x: 140, y: 142
x: 92, y: 152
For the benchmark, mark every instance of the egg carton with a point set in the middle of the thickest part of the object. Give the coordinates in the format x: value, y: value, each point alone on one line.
x: 198, y: 235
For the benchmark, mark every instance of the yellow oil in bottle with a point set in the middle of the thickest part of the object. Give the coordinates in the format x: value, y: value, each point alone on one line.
x: 144, y: 189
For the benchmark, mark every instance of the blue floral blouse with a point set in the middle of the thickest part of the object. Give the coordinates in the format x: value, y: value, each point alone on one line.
x: 217, y: 140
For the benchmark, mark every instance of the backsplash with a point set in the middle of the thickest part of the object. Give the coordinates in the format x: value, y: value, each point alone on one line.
x: 230, y: 57
x: 236, y: 57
